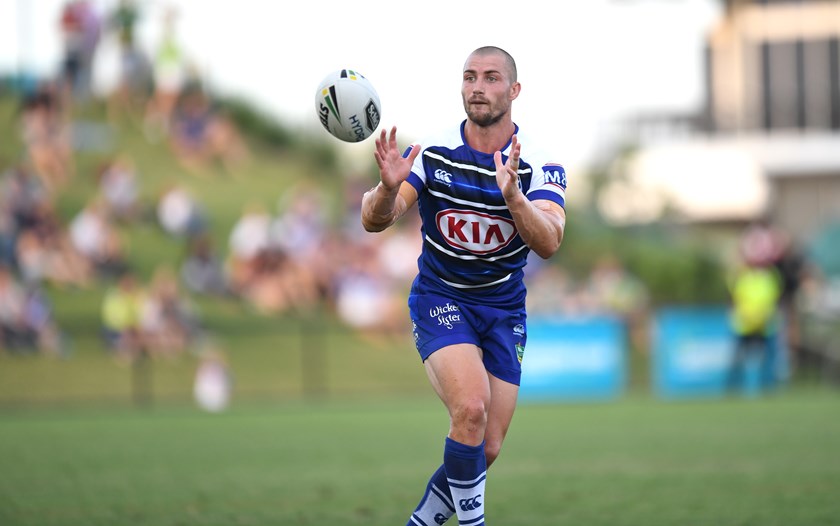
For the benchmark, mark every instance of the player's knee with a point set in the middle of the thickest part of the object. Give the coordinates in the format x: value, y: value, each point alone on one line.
x: 470, y: 413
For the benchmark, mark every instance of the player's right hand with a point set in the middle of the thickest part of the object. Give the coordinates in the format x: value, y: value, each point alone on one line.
x: 393, y: 166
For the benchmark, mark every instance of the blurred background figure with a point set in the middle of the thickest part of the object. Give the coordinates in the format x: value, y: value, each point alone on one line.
x: 179, y: 213
x: 40, y: 322
x: 46, y: 136
x: 119, y: 189
x: 22, y: 197
x: 168, y: 321
x: 367, y: 298
x: 15, y: 336
x: 248, y: 241
x: 121, y: 317
x: 212, y: 388
x: 756, y: 289
x: 617, y: 292
x: 81, y: 26
x: 551, y: 293
x: 170, y: 77
x: 202, y: 135
x: 96, y: 237
x: 300, y: 231
x: 202, y: 269
x: 46, y: 255
x: 134, y: 81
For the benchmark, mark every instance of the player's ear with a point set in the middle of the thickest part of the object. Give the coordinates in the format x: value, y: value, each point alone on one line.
x: 515, y: 88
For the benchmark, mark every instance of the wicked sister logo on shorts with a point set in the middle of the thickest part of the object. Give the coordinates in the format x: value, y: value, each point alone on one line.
x: 446, y: 315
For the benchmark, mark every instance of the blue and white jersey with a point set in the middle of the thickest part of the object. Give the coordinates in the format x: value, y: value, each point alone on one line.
x: 471, y: 247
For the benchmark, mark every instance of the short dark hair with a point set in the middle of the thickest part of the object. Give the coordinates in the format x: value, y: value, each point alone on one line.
x: 493, y: 50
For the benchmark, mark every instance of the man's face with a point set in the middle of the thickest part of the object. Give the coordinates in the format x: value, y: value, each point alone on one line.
x: 487, y: 89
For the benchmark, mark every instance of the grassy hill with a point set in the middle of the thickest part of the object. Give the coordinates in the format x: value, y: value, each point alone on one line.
x: 266, y: 353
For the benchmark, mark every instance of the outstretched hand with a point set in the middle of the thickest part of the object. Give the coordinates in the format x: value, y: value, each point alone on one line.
x: 507, y: 175
x: 393, y: 167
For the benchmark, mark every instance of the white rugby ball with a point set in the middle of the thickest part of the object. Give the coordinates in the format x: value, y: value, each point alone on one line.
x: 348, y: 105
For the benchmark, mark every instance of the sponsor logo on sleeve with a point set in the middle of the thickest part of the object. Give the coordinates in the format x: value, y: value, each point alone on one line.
x: 555, y: 174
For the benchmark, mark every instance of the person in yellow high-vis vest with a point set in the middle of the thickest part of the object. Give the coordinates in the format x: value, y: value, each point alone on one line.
x: 755, y: 292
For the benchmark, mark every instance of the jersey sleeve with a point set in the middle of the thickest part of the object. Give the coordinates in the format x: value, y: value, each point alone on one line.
x: 417, y: 177
x: 548, y: 182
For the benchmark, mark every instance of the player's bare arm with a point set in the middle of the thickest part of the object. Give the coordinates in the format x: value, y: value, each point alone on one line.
x: 389, y: 200
x: 541, y: 222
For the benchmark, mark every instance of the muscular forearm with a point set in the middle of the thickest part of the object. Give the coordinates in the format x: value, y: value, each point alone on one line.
x: 540, y: 224
x: 381, y: 207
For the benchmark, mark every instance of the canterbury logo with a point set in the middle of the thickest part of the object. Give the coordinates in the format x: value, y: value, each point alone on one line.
x: 474, y: 231
x: 443, y: 176
x: 470, y: 504
x: 440, y: 518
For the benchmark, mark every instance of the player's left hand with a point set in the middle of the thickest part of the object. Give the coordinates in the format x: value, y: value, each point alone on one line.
x: 507, y: 176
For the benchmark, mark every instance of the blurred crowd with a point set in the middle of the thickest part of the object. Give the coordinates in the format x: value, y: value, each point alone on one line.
x: 42, y: 250
x: 305, y: 253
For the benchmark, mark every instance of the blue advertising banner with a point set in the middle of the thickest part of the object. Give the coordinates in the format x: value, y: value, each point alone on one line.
x: 574, y: 359
x: 694, y: 356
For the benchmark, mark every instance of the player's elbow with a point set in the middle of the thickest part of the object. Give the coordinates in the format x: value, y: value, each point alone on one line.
x: 371, y: 227
x: 546, y: 252
x: 549, y: 246
x: 374, y: 226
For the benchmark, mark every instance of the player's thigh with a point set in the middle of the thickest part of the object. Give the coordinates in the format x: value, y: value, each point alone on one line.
x: 458, y: 376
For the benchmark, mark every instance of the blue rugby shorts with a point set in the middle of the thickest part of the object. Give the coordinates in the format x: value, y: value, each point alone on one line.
x: 439, y: 321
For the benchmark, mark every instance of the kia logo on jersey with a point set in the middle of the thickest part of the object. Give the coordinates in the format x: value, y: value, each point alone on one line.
x: 476, y: 232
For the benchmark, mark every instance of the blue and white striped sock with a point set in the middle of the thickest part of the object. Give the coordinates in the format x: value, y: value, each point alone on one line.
x: 466, y: 471
x: 436, y: 506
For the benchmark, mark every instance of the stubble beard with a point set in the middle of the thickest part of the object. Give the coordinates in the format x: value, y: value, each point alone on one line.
x: 484, y: 119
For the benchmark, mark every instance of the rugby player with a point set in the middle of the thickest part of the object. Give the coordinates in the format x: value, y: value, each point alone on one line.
x: 486, y: 196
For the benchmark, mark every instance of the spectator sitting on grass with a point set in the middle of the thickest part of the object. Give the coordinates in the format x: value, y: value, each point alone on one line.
x: 46, y: 139
x: 98, y: 240
x: 179, y: 214
x: 118, y: 186
x: 121, y: 314
x: 45, y: 255
x: 247, y: 242
x: 15, y: 336
x: 167, y: 321
x: 202, y: 271
x: 40, y: 322
x: 203, y: 135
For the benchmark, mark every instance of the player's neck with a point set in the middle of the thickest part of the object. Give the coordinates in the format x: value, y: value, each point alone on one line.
x: 489, y: 139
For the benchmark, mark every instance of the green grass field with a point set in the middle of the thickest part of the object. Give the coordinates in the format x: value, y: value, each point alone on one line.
x: 638, y: 461
x: 353, y: 440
